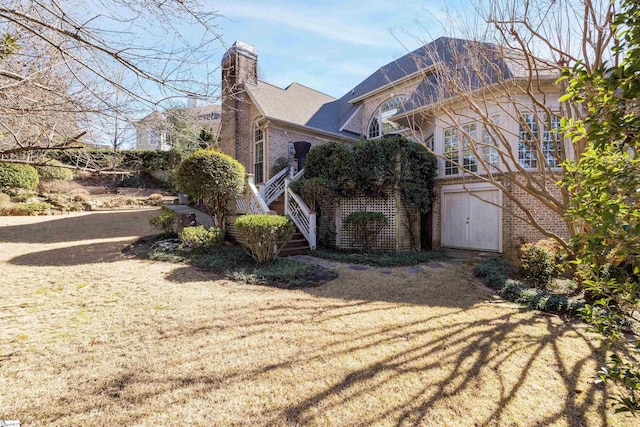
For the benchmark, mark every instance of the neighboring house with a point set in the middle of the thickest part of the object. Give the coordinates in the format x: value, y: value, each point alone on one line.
x: 157, y: 130
x: 260, y: 123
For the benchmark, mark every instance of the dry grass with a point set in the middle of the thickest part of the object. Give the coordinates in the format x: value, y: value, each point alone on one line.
x: 70, y: 188
x: 90, y: 337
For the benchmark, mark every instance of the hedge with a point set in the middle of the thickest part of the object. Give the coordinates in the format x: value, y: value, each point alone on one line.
x: 18, y: 176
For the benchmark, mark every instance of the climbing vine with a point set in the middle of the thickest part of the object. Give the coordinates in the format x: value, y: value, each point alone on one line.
x: 375, y: 168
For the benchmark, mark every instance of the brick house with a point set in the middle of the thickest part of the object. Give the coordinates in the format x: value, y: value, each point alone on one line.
x: 409, y: 96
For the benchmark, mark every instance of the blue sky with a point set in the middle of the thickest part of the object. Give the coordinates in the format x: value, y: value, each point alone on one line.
x: 329, y: 45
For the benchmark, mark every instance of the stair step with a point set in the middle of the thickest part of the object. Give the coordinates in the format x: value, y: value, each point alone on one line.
x: 293, y: 251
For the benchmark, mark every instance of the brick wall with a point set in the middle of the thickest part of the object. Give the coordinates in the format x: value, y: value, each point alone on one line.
x: 518, y: 230
x: 279, y: 139
x: 239, y: 68
x: 515, y: 231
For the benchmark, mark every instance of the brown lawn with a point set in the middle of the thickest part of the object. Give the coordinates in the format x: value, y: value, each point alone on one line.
x: 89, y: 336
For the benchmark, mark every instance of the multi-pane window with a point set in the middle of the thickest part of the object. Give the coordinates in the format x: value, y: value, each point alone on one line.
x: 531, y: 146
x: 469, y: 135
x: 489, y: 142
x: 551, y: 141
x: 451, y: 145
x: 258, y: 145
x: 380, y: 122
x: 527, y: 141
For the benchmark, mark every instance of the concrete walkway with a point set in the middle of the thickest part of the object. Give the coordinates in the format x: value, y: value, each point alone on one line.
x: 201, y: 217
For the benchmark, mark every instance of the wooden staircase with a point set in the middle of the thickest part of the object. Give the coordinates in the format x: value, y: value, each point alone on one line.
x: 298, y: 244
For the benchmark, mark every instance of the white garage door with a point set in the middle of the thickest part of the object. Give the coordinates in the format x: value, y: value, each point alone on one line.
x: 471, y: 221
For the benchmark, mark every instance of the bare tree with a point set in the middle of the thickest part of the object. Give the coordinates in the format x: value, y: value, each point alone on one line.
x: 70, y: 58
x: 498, y: 99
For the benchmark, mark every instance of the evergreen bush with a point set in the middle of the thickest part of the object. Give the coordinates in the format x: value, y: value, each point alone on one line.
x: 18, y: 176
x: 200, y: 237
x: 265, y: 235
x: 166, y: 221
x: 53, y: 171
x: 213, y: 177
x: 540, y: 262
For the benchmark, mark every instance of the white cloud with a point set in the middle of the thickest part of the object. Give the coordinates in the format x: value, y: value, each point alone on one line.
x: 313, y: 21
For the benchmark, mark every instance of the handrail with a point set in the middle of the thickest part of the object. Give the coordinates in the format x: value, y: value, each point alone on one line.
x: 301, y: 215
x: 255, y: 203
x: 251, y: 202
x: 298, y: 175
x: 273, y: 188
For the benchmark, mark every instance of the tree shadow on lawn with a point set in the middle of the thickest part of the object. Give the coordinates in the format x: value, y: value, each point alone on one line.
x: 90, y: 226
x: 92, y: 253
x: 453, y: 355
x: 452, y: 286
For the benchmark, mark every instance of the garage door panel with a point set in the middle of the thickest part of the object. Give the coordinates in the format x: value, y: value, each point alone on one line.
x: 455, y: 214
x: 484, y: 220
x: 471, y: 221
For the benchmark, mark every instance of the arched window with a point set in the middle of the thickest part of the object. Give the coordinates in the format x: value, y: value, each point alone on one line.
x: 380, y: 123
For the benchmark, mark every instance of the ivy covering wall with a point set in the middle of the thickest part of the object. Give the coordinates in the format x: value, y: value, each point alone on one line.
x: 374, y: 168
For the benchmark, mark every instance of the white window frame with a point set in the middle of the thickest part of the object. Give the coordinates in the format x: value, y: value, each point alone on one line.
x: 259, y: 152
x: 489, y: 149
x: 385, y: 110
x: 469, y: 160
x: 550, y: 142
x: 451, y: 151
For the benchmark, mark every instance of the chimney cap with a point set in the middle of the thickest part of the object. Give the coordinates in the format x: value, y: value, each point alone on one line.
x: 240, y: 45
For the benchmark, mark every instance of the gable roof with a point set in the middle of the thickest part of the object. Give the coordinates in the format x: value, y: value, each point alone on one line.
x: 306, y: 107
x: 297, y: 105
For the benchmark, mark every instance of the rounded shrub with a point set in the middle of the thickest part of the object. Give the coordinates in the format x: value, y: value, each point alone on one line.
x: 200, y: 237
x: 366, y: 226
x: 53, y: 171
x: 18, y: 176
x: 265, y: 235
x: 540, y: 262
x: 166, y: 221
x: 213, y: 177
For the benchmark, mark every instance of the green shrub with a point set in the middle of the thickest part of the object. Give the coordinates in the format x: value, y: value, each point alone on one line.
x: 374, y: 167
x: 494, y: 272
x: 213, y: 177
x: 538, y: 299
x: 53, y: 172
x: 200, y: 237
x: 366, y: 226
x: 540, y: 262
x: 5, y: 199
x: 312, y: 191
x: 18, y: 176
x: 166, y: 221
x: 266, y: 235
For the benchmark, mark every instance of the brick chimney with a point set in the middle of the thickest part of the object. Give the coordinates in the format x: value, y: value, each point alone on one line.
x: 239, y: 67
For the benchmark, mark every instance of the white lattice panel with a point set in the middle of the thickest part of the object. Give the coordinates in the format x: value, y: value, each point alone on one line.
x: 388, y: 206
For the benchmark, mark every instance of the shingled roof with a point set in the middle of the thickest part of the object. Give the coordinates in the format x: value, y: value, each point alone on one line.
x: 302, y: 106
x: 297, y: 105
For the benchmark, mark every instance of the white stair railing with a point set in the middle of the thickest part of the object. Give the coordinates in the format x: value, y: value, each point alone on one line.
x: 296, y: 209
x: 252, y: 202
x: 273, y: 188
